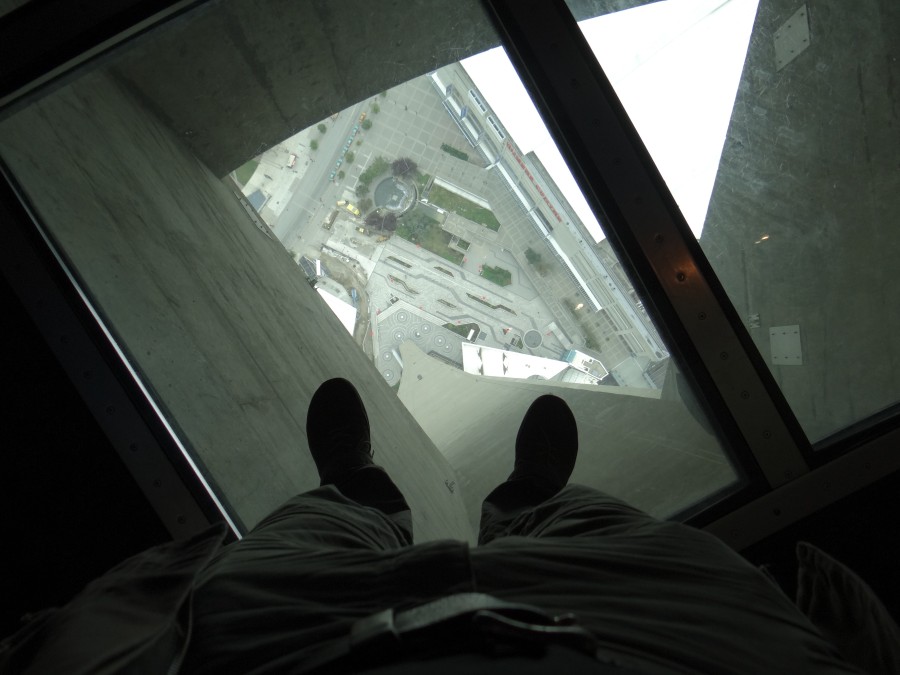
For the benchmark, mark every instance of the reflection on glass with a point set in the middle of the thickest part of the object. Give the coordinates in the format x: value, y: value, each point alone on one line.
x: 774, y: 127
x: 469, y: 253
x: 449, y: 245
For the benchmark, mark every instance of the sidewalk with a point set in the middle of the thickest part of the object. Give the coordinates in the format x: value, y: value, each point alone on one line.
x: 275, y: 179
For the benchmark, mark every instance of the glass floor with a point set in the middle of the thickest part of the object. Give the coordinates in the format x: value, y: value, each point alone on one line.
x: 400, y: 231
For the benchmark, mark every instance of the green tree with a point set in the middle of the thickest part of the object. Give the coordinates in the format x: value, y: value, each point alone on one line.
x: 365, y: 204
x: 376, y: 108
x: 403, y: 166
x: 314, y: 144
x: 367, y: 124
x: 349, y: 157
x: 341, y: 174
x: 322, y: 128
x: 362, y: 189
x: 382, y: 220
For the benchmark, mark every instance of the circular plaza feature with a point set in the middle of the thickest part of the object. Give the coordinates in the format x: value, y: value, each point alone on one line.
x: 533, y: 339
x: 394, y: 195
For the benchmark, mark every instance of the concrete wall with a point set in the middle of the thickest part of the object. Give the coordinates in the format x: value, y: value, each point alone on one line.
x: 214, y: 313
x: 811, y: 160
x: 234, y: 78
x: 651, y: 452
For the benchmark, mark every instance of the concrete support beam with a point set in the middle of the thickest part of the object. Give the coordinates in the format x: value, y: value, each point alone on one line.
x: 212, y: 311
x: 810, y: 163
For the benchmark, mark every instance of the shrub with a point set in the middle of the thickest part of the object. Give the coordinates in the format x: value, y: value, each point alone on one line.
x: 376, y: 108
x: 499, y: 275
x: 322, y: 128
x: 450, y: 150
x: 382, y: 220
x: 314, y: 144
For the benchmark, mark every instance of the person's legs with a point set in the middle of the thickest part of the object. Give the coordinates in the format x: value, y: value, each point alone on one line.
x: 314, y: 565
x: 546, y: 448
x: 337, y: 429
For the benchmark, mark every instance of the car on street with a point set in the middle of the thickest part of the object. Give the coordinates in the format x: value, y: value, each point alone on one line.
x: 362, y: 117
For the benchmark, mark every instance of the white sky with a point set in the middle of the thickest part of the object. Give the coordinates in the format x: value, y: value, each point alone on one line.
x: 675, y: 66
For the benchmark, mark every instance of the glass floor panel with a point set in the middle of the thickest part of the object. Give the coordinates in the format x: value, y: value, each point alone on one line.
x: 405, y: 238
x: 774, y: 126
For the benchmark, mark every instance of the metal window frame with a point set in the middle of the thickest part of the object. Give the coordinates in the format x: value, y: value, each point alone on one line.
x: 649, y: 234
x: 144, y: 436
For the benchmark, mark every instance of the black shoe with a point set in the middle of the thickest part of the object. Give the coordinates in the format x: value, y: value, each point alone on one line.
x: 547, y: 445
x: 337, y: 429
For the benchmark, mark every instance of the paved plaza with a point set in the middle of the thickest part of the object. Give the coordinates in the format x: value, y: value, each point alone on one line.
x: 411, y: 121
x: 430, y: 298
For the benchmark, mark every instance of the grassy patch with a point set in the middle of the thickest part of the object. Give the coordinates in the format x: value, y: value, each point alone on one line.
x: 245, y: 173
x: 463, y: 207
x: 409, y: 289
x: 453, y: 152
x: 418, y: 228
x: 463, y: 328
x: 499, y: 275
x: 421, y: 180
x: 487, y: 304
x: 399, y: 262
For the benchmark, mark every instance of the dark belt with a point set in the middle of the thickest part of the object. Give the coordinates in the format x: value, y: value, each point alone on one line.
x: 454, y: 623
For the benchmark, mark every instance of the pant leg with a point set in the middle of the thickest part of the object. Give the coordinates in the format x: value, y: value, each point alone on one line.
x: 364, y: 511
x: 522, y: 509
x: 653, y: 592
x: 372, y: 486
x: 299, y: 578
